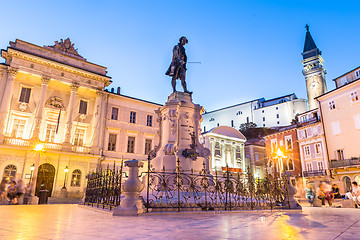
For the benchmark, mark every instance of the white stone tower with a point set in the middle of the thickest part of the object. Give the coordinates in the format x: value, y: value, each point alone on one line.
x: 313, y: 71
x: 179, y: 135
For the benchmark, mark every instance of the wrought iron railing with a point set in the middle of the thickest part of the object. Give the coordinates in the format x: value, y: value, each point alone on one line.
x: 104, y: 187
x: 218, y: 191
x: 314, y: 173
x: 180, y: 191
x: 344, y: 163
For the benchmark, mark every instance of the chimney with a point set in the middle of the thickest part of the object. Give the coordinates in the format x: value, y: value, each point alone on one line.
x: 118, y: 91
x: 112, y: 90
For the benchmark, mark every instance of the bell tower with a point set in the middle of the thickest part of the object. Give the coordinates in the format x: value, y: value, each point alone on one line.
x: 313, y: 71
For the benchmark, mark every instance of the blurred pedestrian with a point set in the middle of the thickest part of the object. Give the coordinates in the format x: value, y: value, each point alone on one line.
x: 354, y: 194
x: 328, y: 193
x: 12, y: 193
x: 27, y: 193
x: 20, y: 186
x: 3, y: 189
x: 336, y: 191
x: 310, y: 194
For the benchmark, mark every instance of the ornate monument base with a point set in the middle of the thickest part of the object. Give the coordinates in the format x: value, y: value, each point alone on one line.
x: 179, y: 135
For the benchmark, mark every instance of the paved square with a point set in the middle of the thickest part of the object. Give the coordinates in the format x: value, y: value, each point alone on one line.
x: 79, y: 222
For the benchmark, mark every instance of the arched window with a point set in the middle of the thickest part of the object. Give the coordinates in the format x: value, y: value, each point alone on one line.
x: 76, y: 178
x: 9, y: 171
x: 347, y: 184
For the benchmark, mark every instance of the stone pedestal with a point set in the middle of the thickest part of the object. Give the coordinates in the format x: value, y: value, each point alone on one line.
x: 292, y: 191
x: 64, y: 193
x: 179, y: 135
x: 34, y: 200
x: 131, y: 205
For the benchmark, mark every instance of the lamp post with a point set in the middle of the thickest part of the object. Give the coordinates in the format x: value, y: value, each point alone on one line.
x: 64, y: 192
x: 34, y: 170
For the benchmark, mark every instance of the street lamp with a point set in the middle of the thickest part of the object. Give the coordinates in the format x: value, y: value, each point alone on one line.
x: 66, y: 170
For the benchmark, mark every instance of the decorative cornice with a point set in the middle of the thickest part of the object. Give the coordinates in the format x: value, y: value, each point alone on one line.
x: 12, y: 72
x: 45, y: 80
x: 62, y: 67
x: 100, y: 93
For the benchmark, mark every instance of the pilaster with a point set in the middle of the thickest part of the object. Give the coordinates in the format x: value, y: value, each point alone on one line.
x: 69, y: 118
x: 38, y: 118
x: 6, y: 99
x: 95, y: 148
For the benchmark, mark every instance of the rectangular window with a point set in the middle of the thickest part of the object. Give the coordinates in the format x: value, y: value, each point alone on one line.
x: 277, y: 116
x: 18, y: 128
x: 273, y: 145
x: 148, y: 143
x: 291, y: 164
x: 309, y: 167
x: 50, y: 132
x: 114, y: 113
x: 309, y: 132
x: 238, y: 152
x: 340, y: 154
x: 112, y: 142
x: 357, y: 121
x: 83, y: 107
x: 132, y: 117
x: 335, y: 126
x: 131, y: 144
x: 307, y: 152
x: 318, y: 148
x: 257, y: 158
x: 217, y: 149
x: 25, y: 95
x: 357, y: 74
x: 232, y: 123
x: 354, y: 97
x: 320, y: 166
x: 263, y: 119
x: 79, y: 137
x: 149, y: 119
x: 332, y: 105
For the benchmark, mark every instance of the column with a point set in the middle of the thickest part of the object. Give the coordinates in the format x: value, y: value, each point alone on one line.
x: 6, y: 99
x: 38, y: 118
x: 97, y: 122
x: 69, y: 118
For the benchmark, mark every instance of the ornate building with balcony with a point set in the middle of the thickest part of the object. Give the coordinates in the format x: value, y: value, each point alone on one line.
x: 340, y: 112
x: 282, y: 151
x: 52, y: 96
x: 227, y: 149
x: 312, y: 147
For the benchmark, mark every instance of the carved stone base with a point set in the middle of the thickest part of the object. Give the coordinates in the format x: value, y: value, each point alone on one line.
x: 64, y: 193
x: 34, y: 200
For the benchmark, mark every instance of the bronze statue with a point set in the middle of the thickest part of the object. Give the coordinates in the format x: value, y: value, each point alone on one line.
x: 177, y: 69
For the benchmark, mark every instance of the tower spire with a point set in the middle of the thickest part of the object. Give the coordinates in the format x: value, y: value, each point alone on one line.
x: 310, y: 48
x: 313, y: 71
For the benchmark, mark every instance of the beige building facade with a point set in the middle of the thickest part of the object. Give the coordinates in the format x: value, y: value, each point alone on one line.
x: 340, y: 110
x: 52, y: 96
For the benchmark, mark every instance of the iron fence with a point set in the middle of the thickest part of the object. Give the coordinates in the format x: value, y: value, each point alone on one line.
x: 219, y: 191
x: 181, y: 191
x: 104, y: 187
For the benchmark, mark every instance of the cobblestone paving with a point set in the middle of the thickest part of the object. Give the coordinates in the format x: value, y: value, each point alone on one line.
x: 76, y: 222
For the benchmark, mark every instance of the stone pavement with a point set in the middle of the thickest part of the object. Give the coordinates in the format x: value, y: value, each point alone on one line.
x: 79, y: 222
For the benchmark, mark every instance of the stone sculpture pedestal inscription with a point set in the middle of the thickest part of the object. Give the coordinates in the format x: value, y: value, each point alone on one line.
x: 179, y: 131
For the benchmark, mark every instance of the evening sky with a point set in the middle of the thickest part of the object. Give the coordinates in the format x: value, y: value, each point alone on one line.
x: 247, y: 49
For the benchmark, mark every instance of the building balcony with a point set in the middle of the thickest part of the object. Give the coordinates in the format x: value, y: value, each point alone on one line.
x: 314, y: 173
x: 27, y: 143
x: 345, y: 163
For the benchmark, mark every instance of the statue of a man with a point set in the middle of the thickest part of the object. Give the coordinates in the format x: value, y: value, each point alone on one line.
x: 177, y: 69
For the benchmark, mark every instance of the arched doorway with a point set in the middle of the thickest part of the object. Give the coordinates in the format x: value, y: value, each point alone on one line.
x: 45, y: 178
x: 347, y: 184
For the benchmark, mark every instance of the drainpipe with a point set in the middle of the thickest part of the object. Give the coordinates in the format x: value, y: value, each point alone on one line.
x: 326, y: 145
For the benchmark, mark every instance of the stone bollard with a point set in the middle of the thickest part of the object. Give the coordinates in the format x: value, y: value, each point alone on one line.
x: 292, y: 191
x: 131, y: 205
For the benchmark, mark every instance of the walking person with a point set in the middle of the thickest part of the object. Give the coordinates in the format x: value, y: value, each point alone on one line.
x: 12, y: 193
x: 20, y: 191
x: 354, y: 194
x: 309, y: 194
x: 2, y: 189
